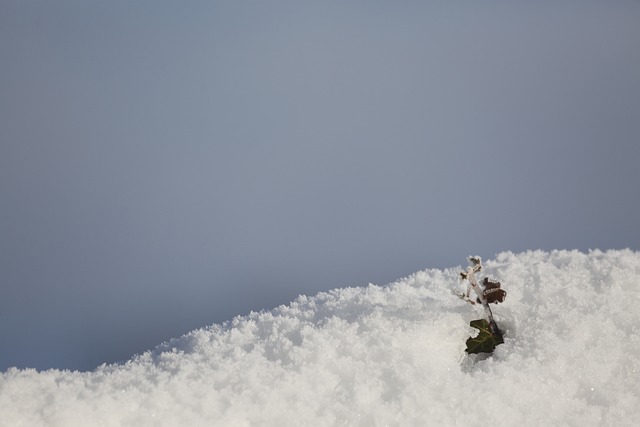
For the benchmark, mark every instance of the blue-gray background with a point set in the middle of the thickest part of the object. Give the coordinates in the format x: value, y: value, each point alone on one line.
x: 168, y: 165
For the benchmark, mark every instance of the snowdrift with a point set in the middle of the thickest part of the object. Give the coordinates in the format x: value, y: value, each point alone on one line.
x: 380, y: 355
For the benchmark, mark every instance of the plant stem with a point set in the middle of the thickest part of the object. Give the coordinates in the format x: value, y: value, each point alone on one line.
x: 476, y: 287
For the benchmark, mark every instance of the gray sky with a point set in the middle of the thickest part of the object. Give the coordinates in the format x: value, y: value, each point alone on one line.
x: 168, y: 165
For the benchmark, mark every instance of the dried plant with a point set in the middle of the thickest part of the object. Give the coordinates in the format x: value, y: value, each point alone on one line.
x: 489, y: 335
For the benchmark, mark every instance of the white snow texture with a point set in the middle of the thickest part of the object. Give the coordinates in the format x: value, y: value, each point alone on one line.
x: 381, y: 355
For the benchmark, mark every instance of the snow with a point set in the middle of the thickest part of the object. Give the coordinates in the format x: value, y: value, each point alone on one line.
x: 381, y: 355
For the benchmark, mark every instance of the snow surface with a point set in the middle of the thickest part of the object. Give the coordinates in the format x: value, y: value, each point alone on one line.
x: 381, y: 355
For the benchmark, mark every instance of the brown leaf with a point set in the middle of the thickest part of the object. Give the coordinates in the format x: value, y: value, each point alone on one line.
x: 492, y: 292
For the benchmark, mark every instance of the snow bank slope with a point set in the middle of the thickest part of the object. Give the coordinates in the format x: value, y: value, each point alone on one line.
x: 391, y: 355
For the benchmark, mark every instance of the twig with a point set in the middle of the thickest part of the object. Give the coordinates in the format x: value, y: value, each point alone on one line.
x: 475, y: 267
